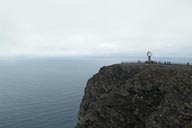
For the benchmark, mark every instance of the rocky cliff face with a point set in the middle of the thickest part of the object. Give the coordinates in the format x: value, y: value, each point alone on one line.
x: 138, y: 96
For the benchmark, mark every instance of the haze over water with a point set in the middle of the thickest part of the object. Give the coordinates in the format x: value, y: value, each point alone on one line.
x: 46, y: 92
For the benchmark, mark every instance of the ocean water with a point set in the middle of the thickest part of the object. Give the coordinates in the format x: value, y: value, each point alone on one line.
x: 43, y: 93
x: 46, y: 92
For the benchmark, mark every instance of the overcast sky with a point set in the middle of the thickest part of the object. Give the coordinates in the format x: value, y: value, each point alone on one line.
x: 95, y: 27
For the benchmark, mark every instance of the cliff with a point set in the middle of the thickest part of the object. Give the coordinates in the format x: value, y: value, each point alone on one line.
x: 138, y: 96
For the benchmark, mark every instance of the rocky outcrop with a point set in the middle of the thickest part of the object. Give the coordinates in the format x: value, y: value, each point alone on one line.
x: 138, y: 96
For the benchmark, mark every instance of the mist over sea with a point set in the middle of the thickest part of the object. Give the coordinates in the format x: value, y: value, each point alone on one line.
x: 46, y: 92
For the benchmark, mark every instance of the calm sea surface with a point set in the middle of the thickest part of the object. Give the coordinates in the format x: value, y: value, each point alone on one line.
x: 45, y: 93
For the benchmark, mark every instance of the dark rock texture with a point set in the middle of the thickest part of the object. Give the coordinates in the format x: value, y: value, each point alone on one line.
x: 138, y: 96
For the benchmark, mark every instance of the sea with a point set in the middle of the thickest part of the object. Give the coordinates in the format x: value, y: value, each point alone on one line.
x: 46, y: 92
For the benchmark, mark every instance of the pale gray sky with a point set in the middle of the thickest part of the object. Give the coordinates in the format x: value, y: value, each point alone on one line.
x: 95, y: 27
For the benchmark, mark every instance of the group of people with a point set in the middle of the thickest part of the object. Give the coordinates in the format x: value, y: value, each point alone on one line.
x: 160, y: 62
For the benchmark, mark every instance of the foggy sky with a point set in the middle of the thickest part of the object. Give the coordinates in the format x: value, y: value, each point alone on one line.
x: 95, y: 27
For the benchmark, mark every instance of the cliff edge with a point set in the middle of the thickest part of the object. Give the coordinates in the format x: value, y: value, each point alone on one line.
x: 138, y: 96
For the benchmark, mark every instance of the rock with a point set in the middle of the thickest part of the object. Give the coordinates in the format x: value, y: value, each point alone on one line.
x: 138, y: 96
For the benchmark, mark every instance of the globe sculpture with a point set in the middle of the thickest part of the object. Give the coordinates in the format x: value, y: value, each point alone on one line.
x: 149, y: 54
